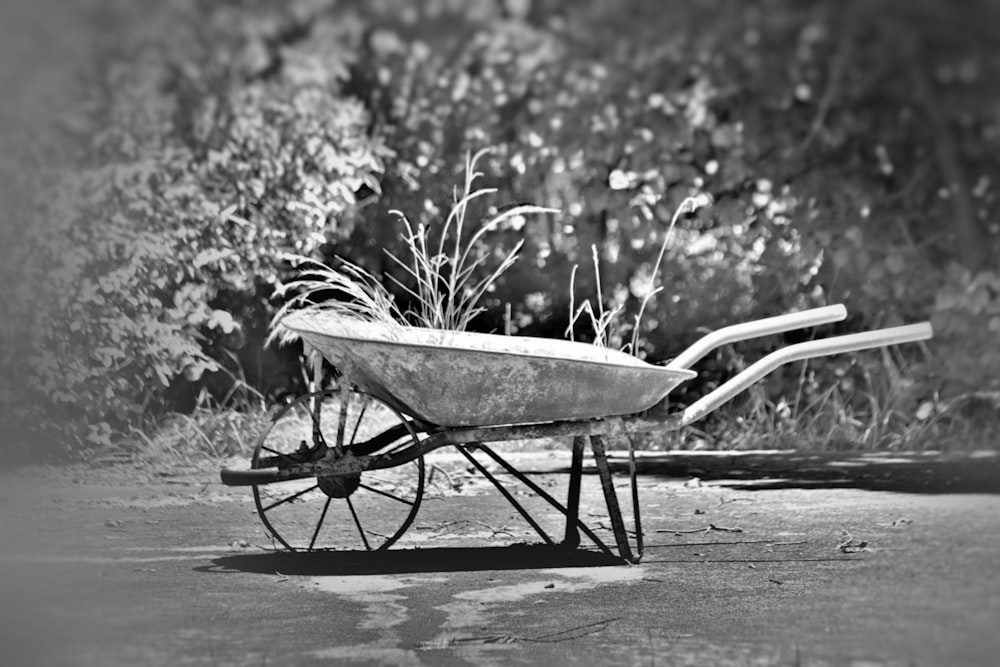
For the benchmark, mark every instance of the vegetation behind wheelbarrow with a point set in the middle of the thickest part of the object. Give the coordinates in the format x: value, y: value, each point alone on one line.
x: 153, y: 181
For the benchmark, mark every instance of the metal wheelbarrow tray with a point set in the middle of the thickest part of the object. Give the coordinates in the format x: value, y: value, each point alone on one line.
x: 406, y: 391
x: 458, y: 378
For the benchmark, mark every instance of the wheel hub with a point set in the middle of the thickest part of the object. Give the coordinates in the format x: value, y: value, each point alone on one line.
x: 339, y: 486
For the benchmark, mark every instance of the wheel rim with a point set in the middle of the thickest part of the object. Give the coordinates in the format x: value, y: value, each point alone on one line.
x: 370, y: 512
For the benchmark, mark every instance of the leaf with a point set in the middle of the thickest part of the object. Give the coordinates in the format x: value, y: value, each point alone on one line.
x: 895, y: 263
x: 842, y: 257
x: 222, y: 320
x: 211, y: 256
x: 925, y: 411
x: 619, y: 180
x: 161, y: 375
x: 194, y: 371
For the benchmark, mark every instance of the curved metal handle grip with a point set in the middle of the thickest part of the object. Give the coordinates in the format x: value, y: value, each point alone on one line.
x: 757, y: 329
x: 809, y: 350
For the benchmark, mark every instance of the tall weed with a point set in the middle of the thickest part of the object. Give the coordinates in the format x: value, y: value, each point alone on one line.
x: 447, y: 283
x: 604, y: 322
x: 347, y: 290
x: 446, y: 280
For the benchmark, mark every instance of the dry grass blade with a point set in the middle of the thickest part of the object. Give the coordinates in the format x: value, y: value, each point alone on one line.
x: 348, y: 290
x: 444, y: 289
x: 689, y: 205
x: 603, y: 322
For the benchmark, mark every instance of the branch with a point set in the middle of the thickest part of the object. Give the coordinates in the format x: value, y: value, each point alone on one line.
x: 836, y: 73
x: 963, y: 210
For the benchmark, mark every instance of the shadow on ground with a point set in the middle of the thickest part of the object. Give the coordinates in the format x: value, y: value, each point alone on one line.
x: 409, y: 561
x: 900, y: 472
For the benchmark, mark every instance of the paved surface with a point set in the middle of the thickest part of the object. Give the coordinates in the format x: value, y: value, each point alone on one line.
x: 789, y: 561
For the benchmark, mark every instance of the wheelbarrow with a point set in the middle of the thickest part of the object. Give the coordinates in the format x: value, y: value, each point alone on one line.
x: 358, y: 449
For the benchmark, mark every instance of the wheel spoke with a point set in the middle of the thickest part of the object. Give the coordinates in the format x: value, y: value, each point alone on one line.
x: 357, y: 522
x: 351, y: 418
x: 361, y: 415
x: 319, y: 524
x: 345, y: 396
x: 317, y: 430
x: 289, y: 498
x: 386, y: 494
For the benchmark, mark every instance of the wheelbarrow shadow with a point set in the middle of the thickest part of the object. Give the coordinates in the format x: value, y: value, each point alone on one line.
x: 901, y: 472
x: 410, y: 561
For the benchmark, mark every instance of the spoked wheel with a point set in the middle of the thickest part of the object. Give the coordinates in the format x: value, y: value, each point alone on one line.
x: 368, y: 511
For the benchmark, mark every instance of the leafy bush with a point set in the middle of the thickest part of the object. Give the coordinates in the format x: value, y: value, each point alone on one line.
x: 845, y: 165
x: 967, y: 328
x: 208, y: 156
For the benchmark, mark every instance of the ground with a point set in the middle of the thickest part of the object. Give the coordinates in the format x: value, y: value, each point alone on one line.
x: 769, y: 559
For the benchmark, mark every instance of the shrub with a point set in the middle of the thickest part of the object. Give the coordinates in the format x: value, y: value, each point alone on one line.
x: 214, y: 138
x: 215, y: 144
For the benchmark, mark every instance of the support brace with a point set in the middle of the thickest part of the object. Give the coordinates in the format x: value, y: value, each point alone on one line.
x: 572, y: 537
x: 611, y: 499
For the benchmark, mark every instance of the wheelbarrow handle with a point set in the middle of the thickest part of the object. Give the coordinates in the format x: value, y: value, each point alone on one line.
x: 757, y: 329
x: 809, y: 350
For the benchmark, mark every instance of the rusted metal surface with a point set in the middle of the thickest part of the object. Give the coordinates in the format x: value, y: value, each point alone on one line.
x: 290, y: 467
x: 331, y: 465
x: 611, y: 499
x: 456, y: 379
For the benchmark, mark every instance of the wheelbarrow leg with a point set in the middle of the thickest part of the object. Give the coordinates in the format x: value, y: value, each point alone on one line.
x: 611, y: 499
x: 572, y: 538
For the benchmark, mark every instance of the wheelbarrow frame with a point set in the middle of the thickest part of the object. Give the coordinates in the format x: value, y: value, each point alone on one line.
x: 326, y: 462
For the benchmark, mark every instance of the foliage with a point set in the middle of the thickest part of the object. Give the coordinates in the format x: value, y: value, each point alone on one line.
x: 615, y: 136
x: 215, y: 146
x: 198, y: 143
x: 205, y: 433
x: 348, y: 290
x: 604, y: 324
x: 448, y: 283
x: 847, y: 165
x: 967, y: 329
